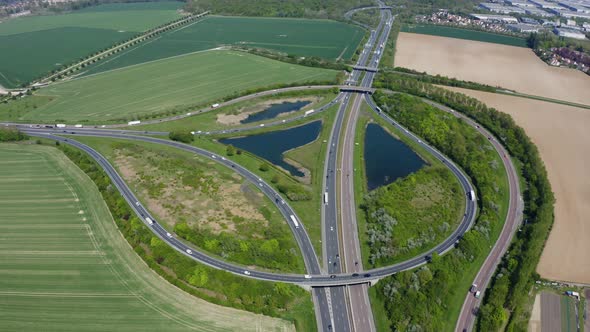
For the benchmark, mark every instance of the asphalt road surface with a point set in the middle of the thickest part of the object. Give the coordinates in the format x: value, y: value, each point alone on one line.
x: 334, y: 311
x: 513, y: 221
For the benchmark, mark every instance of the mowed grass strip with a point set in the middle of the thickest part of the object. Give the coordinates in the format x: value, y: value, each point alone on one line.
x: 64, y: 266
x: 162, y: 85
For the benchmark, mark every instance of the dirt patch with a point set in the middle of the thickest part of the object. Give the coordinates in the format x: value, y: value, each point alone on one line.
x: 179, y: 192
x: 563, y: 137
x: 550, y: 312
x: 510, y: 67
x: 233, y: 118
x: 306, y: 178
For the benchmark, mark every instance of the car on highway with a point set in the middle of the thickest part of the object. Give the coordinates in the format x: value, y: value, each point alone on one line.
x: 477, y: 294
x: 333, y: 276
x: 307, y: 276
x: 473, y: 288
x: 247, y: 272
x: 168, y: 235
x: 188, y: 251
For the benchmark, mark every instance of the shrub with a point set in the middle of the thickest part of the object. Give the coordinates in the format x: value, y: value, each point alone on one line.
x: 184, y: 137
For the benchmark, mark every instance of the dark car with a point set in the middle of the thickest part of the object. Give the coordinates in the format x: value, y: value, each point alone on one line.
x: 332, y: 276
x: 355, y: 274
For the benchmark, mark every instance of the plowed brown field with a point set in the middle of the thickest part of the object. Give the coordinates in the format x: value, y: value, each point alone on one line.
x: 562, y: 134
x: 510, y: 67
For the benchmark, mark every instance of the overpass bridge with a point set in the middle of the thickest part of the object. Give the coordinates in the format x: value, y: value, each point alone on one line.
x: 364, y: 68
x: 360, y: 89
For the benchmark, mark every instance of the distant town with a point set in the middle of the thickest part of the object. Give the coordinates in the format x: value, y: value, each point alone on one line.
x: 565, y: 19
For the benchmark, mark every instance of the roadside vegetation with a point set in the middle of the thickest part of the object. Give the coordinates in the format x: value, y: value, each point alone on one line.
x: 303, y: 194
x: 230, y: 116
x: 439, y: 79
x: 273, y: 299
x: 425, y: 201
x: 388, y: 57
x: 411, y: 215
x: 11, y: 135
x: 205, y: 203
x: 437, y: 290
x: 505, y: 299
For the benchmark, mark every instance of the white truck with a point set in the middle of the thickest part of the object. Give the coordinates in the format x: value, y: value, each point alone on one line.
x: 472, y: 195
x: 308, y: 112
x: 78, y: 126
x: 326, y: 197
x: 149, y: 221
x: 214, y: 105
x: 60, y: 125
x: 294, y: 220
x: 131, y: 123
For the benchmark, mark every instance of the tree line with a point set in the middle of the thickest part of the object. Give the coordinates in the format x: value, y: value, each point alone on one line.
x: 505, y: 301
x: 333, y: 9
x: 421, y: 299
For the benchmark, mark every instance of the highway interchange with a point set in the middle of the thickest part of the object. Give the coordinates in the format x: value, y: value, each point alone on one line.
x: 340, y: 287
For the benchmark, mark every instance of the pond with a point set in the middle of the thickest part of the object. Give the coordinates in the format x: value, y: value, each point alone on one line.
x: 387, y: 158
x: 274, y: 110
x: 272, y: 145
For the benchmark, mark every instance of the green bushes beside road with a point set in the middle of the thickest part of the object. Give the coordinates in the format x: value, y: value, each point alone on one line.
x: 411, y: 215
x: 273, y: 299
x: 430, y: 298
x: 11, y: 135
x: 516, y: 274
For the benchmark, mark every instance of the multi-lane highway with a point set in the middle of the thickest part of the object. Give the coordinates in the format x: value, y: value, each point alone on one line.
x: 340, y: 287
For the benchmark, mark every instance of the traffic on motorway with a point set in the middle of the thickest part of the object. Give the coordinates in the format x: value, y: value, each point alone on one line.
x: 315, y: 276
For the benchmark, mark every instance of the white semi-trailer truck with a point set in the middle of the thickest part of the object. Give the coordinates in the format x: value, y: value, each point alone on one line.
x: 295, y: 222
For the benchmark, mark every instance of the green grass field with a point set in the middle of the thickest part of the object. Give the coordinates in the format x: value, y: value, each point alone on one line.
x: 322, y: 38
x: 160, y: 86
x: 444, y: 31
x: 32, y: 46
x: 64, y: 266
x: 209, y: 120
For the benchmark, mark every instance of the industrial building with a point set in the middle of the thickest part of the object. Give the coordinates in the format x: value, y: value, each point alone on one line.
x: 524, y: 27
x: 538, y: 12
x: 521, y: 3
x: 569, y: 33
x: 502, y: 9
x: 495, y: 18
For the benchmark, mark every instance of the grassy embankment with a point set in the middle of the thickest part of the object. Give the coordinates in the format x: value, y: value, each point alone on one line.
x: 29, y: 47
x: 272, y: 299
x: 211, y: 120
x: 205, y: 203
x: 429, y: 199
x: 508, y: 294
x: 452, y: 32
x: 75, y: 267
x: 310, y: 156
x: 442, y: 283
x: 166, y: 87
